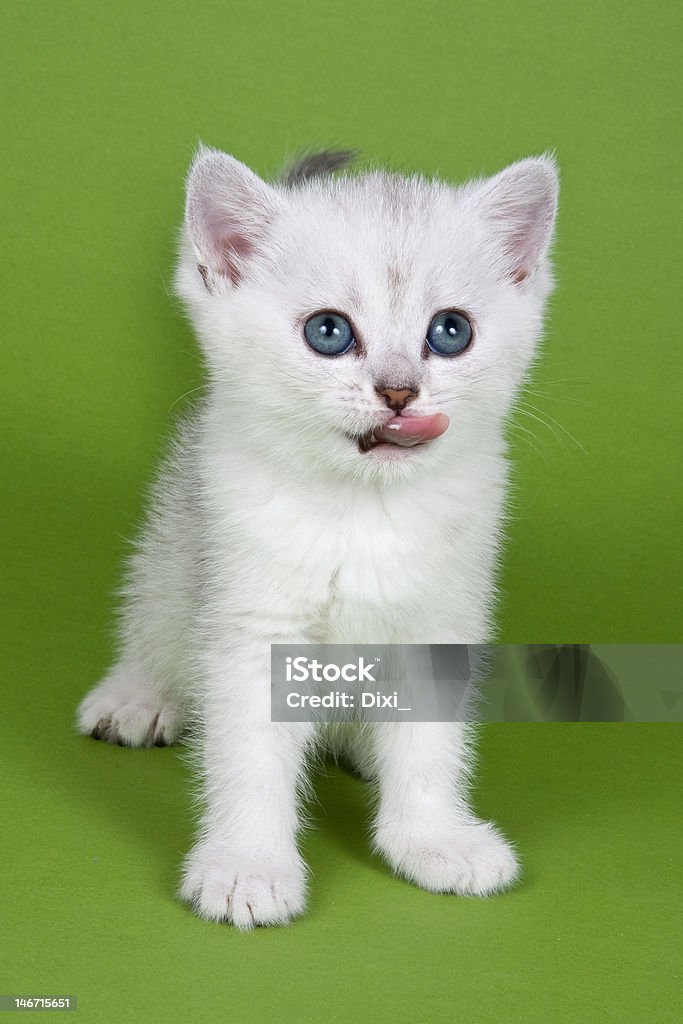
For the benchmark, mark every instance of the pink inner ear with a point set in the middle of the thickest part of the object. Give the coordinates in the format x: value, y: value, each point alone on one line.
x: 527, y: 239
x: 226, y: 242
x: 523, y: 262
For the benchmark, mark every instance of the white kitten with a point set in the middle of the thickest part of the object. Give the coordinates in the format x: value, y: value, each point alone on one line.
x: 297, y: 507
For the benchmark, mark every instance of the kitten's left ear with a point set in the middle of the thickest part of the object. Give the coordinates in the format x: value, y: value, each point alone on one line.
x: 520, y: 206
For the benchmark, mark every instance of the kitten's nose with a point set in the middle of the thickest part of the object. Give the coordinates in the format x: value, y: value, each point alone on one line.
x: 397, y: 398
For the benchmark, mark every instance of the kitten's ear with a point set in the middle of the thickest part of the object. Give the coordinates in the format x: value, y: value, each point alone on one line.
x: 520, y: 205
x: 227, y: 212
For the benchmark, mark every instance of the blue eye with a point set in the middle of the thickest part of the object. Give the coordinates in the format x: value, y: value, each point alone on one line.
x: 329, y: 333
x: 449, y: 333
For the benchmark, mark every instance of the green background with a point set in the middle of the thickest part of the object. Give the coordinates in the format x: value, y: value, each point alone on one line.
x: 102, y: 105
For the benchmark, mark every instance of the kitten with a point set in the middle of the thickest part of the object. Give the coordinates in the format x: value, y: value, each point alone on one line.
x: 342, y: 481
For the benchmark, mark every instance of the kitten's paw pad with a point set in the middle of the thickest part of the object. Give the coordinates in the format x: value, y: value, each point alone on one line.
x: 224, y: 887
x: 473, y: 861
x: 124, y: 711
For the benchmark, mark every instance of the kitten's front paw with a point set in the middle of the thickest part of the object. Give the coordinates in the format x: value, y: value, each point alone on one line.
x: 474, y: 860
x: 125, y: 709
x: 221, y: 885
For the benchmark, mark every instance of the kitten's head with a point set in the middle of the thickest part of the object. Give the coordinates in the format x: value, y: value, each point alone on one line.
x: 374, y: 326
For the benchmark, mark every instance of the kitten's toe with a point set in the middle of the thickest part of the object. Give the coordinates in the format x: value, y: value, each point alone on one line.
x: 474, y: 860
x: 245, y: 892
x: 125, y: 709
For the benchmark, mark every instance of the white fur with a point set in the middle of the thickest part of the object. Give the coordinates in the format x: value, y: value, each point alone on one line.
x: 268, y: 525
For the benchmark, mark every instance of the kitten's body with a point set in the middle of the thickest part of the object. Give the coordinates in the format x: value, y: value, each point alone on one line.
x: 269, y: 524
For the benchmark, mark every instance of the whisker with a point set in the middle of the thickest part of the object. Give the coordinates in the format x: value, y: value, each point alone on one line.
x: 190, y: 392
x: 562, y: 381
x: 529, y: 438
x: 525, y: 409
x: 301, y: 380
x: 553, y: 398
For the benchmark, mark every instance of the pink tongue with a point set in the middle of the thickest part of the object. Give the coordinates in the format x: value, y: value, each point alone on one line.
x: 409, y: 430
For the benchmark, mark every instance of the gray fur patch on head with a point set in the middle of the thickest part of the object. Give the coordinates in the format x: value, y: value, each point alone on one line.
x: 397, y: 282
x: 317, y: 165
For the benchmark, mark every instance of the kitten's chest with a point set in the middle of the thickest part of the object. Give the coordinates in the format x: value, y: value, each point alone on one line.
x: 350, y: 558
x: 356, y: 564
x: 386, y: 556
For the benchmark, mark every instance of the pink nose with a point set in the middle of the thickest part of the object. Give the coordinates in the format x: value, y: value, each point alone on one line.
x: 397, y: 398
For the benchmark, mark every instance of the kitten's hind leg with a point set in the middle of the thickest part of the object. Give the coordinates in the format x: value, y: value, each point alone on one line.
x: 129, y: 709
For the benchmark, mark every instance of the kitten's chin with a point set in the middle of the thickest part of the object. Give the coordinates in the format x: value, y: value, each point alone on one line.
x: 370, y: 448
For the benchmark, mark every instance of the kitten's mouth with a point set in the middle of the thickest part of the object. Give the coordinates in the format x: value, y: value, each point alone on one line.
x: 403, y: 432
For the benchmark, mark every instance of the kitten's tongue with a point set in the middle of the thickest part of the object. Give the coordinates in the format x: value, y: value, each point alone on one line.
x: 410, y: 430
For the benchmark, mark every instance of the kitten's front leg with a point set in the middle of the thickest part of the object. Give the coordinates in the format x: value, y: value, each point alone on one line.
x: 246, y: 868
x: 425, y: 828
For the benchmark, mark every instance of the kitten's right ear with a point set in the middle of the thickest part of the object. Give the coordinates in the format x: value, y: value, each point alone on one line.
x: 227, y: 212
